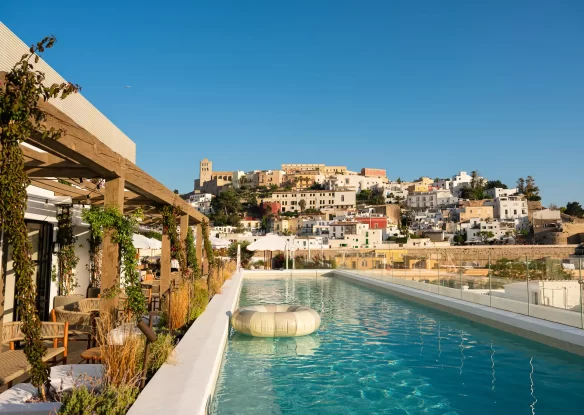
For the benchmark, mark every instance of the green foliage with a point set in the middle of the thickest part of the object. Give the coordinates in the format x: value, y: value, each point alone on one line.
x: 302, y: 204
x: 458, y: 239
x: 152, y: 234
x: 227, y: 208
x: 170, y: 227
x: 374, y: 196
x: 492, y: 184
x: 107, y: 401
x: 574, y: 209
x: 317, y: 186
x: 67, y: 259
x: 121, y: 230
x: 528, y: 188
x: 199, y: 301
x: 245, y: 254
x: 207, y: 245
x: 512, y: 270
x: 20, y: 118
x: 192, y: 261
x: 486, y: 235
x: 160, y: 351
x: 65, y: 182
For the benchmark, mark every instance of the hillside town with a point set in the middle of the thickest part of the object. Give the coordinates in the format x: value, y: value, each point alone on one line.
x: 331, y: 207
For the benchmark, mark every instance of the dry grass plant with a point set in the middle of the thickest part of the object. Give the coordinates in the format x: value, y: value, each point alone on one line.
x: 122, y: 362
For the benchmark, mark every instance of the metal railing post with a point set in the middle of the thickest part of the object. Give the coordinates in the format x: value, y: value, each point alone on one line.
x: 490, y: 283
x: 527, y: 284
x: 460, y: 275
x: 581, y: 286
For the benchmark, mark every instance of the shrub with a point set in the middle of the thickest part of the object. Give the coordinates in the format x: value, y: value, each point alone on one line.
x: 199, y: 300
x: 160, y: 351
x: 109, y: 401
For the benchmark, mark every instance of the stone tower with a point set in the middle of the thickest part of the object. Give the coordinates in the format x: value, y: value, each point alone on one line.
x: 205, y: 171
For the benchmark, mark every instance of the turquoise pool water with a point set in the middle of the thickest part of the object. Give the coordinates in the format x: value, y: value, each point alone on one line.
x: 378, y: 354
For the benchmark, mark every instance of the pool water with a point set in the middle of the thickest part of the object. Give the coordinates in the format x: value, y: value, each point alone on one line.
x: 378, y: 354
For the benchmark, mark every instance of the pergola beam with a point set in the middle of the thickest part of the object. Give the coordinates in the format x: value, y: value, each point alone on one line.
x: 79, y: 145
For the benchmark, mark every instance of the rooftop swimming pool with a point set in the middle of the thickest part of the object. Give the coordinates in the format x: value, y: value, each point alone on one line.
x: 378, y: 354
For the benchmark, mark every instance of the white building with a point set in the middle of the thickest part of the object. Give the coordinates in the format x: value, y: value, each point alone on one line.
x: 237, y: 175
x: 359, y: 236
x: 312, y: 242
x: 315, y: 227
x: 353, y: 182
x: 201, y: 202
x: 511, y: 209
x: 500, y: 192
x: 476, y: 226
x: 433, y: 199
x: 314, y: 199
x: 559, y: 293
x: 458, y: 182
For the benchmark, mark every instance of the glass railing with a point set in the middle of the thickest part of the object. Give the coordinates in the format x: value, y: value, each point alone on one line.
x: 544, y: 287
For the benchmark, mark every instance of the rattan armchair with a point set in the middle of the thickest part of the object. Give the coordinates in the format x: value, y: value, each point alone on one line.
x: 13, y: 362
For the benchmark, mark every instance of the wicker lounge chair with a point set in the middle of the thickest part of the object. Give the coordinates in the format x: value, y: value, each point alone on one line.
x: 13, y: 362
x: 79, y: 316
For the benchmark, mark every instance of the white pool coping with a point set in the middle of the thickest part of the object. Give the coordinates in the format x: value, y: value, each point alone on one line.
x: 553, y: 334
x: 187, y: 386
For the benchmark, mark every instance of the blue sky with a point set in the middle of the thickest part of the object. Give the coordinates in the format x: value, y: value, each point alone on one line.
x: 415, y: 87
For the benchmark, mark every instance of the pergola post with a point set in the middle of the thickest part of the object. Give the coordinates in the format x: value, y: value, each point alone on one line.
x: 1, y: 278
x: 184, y: 231
x: 200, y: 245
x: 114, y: 196
x: 165, y: 263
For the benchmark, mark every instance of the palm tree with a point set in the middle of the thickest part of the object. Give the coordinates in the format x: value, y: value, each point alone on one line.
x: 302, y: 204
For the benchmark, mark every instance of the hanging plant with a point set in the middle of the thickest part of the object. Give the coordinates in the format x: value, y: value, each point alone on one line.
x: 207, y: 245
x: 121, y: 229
x: 192, y: 261
x: 170, y: 227
x: 20, y: 118
x: 67, y: 260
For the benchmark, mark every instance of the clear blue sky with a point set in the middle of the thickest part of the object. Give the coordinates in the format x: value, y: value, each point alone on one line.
x: 415, y: 87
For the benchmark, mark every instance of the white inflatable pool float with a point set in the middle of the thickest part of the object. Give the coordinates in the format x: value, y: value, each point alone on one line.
x: 273, y: 320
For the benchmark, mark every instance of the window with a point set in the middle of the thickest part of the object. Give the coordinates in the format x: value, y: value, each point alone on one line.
x: 515, y: 211
x: 342, y: 198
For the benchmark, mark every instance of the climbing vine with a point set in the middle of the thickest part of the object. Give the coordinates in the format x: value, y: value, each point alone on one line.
x: 170, y: 227
x: 20, y: 118
x: 67, y: 259
x: 121, y: 229
x: 207, y: 245
x: 192, y: 261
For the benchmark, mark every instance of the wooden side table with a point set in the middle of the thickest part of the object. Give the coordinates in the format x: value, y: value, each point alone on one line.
x: 92, y: 355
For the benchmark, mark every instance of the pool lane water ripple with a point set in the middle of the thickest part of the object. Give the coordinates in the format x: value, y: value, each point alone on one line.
x: 377, y: 354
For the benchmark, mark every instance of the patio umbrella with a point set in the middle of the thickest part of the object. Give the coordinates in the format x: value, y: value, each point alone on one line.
x: 218, y: 243
x: 154, y: 243
x: 140, y: 241
x: 269, y: 243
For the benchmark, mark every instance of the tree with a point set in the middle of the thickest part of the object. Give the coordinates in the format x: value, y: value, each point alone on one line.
x: 521, y: 185
x: 246, y: 255
x: 574, y: 209
x: 531, y: 190
x: 227, y: 208
x: 377, y: 196
x: 399, y: 180
x: 486, y: 235
x: 317, y: 186
x: 21, y: 117
x: 492, y: 184
x: 302, y: 204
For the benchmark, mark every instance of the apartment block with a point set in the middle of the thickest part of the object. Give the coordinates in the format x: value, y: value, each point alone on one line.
x: 314, y: 199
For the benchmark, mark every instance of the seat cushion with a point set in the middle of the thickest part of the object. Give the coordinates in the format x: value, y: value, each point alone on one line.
x: 13, y: 363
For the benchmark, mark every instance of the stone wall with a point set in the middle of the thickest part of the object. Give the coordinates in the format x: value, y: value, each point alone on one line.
x: 479, y: 252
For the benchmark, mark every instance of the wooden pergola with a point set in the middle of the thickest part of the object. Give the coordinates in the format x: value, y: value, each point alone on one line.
x: 77, y: 157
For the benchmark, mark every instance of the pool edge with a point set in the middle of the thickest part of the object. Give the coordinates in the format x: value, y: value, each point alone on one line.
x: 567, y: 338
